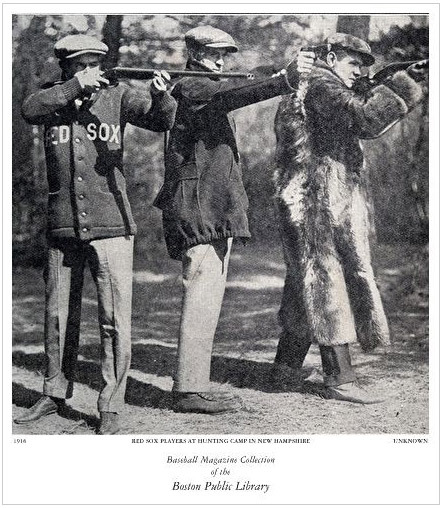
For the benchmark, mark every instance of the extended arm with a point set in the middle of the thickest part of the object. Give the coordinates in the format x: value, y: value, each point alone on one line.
x: 154, y: 110
x: 228, y: 96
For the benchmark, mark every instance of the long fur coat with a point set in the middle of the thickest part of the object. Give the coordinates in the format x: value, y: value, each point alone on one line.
x: 323, y: 214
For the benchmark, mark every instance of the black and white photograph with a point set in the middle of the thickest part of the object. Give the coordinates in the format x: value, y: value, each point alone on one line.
x: 220, y: 229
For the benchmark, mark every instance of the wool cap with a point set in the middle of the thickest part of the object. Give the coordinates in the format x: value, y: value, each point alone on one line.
x: 210, y: 37
x: 75, y: 45
x: 349, y: 42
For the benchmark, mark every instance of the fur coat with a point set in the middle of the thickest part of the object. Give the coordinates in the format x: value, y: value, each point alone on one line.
x: 323, y: 214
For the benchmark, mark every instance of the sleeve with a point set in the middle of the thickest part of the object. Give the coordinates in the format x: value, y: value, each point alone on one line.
x: 42, y: 106
x: 229, y: 95
x: 155, y: 112
x: 368, y: 115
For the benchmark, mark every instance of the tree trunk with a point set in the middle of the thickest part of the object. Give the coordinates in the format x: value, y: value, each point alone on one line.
x: 111, y: 37
x: 28, y: 169
x: 354, y: 25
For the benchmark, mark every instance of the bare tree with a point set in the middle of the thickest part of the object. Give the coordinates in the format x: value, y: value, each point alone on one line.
x: 354, y: 25
x: 112, y: 37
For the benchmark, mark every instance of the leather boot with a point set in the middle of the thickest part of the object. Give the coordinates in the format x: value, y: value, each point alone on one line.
x: 43, y: 407
x: 340, y: 378
x: 336, y: 365
x: 352, y: 392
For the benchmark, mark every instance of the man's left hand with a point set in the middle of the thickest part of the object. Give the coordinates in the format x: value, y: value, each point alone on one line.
x: 305, y: 62
x: 419, y: 70
x: 300, y: 67
x: 160, y: 82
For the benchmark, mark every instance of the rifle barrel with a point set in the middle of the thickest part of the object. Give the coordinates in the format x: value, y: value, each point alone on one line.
x: 141, y: 73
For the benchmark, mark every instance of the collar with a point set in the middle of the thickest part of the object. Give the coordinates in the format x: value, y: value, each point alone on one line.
x: 322, y: 66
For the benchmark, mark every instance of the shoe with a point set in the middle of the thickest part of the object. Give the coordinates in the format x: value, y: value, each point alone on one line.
x: 352, y: 392
x: 109, y: 423
x: 206, y: 402
x: 43, y: 407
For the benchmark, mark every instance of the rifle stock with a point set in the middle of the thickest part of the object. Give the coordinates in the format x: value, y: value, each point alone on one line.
x: 117, y: 73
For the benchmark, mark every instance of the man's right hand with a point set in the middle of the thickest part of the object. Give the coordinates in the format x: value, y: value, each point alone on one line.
x: 91, y: 79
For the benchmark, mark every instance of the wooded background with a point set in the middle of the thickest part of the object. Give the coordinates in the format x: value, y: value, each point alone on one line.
x: 397, y: 164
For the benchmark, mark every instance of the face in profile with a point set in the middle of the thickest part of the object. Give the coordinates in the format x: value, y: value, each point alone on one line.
x: 80, y: 63
x: 348, y: 66
x: 212, y: 58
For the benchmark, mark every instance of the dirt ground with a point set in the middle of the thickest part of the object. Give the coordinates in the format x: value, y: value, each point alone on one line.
x: 245, y: 346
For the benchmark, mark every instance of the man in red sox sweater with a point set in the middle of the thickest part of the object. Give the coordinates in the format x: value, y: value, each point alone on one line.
x: 89, y: 217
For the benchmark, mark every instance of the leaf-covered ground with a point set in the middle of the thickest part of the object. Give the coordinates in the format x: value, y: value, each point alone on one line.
x: 244, y: 349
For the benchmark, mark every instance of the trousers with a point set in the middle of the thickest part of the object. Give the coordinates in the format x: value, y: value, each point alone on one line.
x: 110, y: 261
x: 204, y: 280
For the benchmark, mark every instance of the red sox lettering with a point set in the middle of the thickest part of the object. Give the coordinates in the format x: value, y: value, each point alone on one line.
x: 60, y: 134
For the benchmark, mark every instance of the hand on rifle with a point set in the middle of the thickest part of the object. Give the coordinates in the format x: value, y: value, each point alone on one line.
x: 160, y: 82
x: 91, y: 79
x: 418, y: 70
x: 300, y: 67
x: 305, y: 61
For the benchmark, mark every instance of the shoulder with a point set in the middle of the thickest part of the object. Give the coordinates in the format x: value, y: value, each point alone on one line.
x: 322, y: 78
x: 326, y: 89
x: 196, y: 88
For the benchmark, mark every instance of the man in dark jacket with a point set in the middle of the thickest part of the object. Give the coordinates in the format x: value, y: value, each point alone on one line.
x: 89, y: 216
x: 204, y: 202
x: 330, y: 294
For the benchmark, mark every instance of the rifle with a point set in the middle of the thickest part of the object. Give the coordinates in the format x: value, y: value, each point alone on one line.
x: 116, y: 73
x: 362, y: 85
x: 387, y: 71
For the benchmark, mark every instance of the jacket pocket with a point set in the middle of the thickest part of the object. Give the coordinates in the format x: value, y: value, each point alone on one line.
x: 179, y: 190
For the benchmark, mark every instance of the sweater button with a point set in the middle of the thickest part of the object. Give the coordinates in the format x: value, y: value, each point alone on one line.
x: 83, y: 214
x: 80, y: 179
x: 77, y: 140
x: 85, y: 230
x: 81, y: 196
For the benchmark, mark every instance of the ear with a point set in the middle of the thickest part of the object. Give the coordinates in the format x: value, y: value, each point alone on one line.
x: 196, y: 53
x: 331, y: 59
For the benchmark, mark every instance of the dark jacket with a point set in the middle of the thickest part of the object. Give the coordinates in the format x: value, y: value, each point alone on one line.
x: 84, y: 154
x: 203, y: 196
x: 323, y: 213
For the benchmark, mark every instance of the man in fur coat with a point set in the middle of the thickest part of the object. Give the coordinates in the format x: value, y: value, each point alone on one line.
x: 330, y: 295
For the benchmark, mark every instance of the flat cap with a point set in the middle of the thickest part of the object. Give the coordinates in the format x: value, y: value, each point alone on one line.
x: 351, y: 43
x: 211, y: 37
x: 75, y: 45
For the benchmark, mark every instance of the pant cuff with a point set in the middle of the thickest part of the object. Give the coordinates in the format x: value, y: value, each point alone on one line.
x: 58, y: 392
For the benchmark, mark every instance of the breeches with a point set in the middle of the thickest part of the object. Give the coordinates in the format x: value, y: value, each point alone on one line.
x: 110, y: 262
x: 204, y: 281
